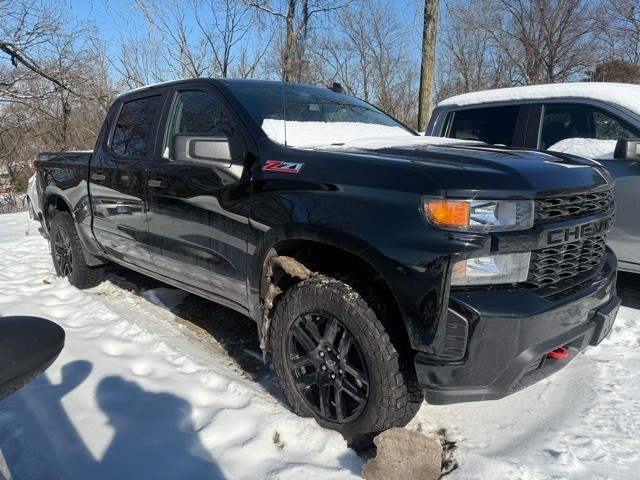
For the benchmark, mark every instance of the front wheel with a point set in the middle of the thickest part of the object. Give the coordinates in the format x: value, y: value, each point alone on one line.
x: 67, y: 254
x: 336, y: 362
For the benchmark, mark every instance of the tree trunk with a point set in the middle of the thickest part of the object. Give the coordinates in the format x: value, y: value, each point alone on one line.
x: 290, y: 43
x: 427, y: 70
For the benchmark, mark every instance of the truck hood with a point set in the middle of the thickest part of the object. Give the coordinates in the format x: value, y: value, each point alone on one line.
x: 465, y: 170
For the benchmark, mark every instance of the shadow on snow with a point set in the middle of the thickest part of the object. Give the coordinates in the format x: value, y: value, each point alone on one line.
x: 153, y: 433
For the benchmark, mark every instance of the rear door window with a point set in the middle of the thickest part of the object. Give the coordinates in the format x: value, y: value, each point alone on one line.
x: 132, y: 132
x: 495, y: 125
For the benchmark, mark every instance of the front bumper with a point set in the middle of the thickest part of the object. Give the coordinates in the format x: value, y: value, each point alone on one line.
x: 510, y: 334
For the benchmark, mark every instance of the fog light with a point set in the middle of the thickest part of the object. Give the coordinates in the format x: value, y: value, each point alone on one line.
x: 493, y: 269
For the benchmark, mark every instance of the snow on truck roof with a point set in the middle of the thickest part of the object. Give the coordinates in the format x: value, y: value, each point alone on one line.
x: 622, y: 94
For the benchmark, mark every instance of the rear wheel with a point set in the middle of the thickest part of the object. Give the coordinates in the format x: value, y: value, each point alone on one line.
x: 67, y: 254
x: 336, y: 362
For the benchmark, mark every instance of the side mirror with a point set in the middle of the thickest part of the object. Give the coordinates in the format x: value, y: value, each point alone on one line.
x: 201, y: 149
x: 28, y: 345
x: 627, y: 148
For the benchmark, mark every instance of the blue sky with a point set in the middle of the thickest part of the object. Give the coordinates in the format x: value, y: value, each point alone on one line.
x: 108, y: 14
x: 117, y: 18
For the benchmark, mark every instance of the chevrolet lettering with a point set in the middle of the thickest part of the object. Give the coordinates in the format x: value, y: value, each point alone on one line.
x: 577, y: 232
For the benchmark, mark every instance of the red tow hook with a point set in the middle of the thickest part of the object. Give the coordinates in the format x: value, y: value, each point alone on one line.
x: 558, y: 353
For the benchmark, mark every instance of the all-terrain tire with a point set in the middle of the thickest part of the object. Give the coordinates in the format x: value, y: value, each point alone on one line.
x: 67, y: 253
x: 393, y: 394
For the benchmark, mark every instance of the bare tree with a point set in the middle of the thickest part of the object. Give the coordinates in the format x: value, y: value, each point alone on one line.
x: 468, y: 60
x: 546, y: 40
x: 372, y: 57
x: 296, y: 15
x: 536, y: 41
x: 30, y: 32
x: 190, y: 39
x: 168, y: 25
x: 53, y: 85
x: 616, y: 71
x: 622, y: 31
x: 428, y: 64
x: 224, y: 33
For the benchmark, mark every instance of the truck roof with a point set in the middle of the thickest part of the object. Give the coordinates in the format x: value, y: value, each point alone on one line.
x: 228, y: 81
x: 622, y: 94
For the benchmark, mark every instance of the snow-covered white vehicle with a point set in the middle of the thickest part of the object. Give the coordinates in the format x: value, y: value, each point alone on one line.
x: 593, y: 120
x: 33, y: 200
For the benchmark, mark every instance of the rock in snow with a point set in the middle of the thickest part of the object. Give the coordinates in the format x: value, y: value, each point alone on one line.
x: 404, y: 454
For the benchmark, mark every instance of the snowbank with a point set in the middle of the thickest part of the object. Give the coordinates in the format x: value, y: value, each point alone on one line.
x: 586, y: 147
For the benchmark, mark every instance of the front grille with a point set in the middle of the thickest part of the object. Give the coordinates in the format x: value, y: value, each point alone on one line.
x: 574, y: 260
x: 552, y: 209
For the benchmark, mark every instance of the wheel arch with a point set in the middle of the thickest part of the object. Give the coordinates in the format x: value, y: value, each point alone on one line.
x: 54, y: 202
x: 322, y: 252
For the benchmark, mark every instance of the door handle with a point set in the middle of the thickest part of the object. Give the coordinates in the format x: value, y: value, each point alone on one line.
x: 158, y: 184
x: 97, y: 176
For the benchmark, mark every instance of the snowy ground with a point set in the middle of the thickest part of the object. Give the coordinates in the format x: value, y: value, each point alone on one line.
x: 156, y: 383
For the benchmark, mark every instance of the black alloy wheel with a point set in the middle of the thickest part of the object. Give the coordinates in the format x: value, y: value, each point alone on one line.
x: 68, y: 255
x: 63, y: 254
x: 328, y: 366
x: 337, y: 361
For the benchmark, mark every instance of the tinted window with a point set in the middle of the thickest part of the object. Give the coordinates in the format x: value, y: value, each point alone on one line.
x: 560, y: 122
x: 610, y: 128
x: 491, y: 125
x: 305, y: 103
x: 198, y: 113
x: 133, y: 128
x: 307, y: 117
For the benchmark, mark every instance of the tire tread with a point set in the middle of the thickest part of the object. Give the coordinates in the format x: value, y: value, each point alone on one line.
x: 83, y: 276
x: 402, y: 395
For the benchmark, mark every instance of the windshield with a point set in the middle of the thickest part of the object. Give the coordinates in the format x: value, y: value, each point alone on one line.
x: 305, y: 116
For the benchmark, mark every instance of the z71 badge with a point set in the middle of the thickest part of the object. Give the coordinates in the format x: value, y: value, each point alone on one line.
x: 279, y: 166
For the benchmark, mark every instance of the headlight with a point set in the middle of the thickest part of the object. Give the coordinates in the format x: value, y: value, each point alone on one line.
x: 493, y: 269
x: 479, y: 215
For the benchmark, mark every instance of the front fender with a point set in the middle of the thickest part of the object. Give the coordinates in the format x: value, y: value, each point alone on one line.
x: 420, y: 290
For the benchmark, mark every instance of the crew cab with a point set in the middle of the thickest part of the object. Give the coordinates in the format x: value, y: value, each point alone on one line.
x: 600, y: 121
x: 381, y: 267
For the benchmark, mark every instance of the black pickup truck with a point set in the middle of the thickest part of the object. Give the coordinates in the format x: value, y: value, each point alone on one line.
x: 380, y: 271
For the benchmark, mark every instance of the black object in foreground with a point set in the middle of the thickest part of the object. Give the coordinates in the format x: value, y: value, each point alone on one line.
x: 28, y: 345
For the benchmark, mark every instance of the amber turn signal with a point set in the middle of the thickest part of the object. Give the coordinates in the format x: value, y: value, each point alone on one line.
x: 448, y: 213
